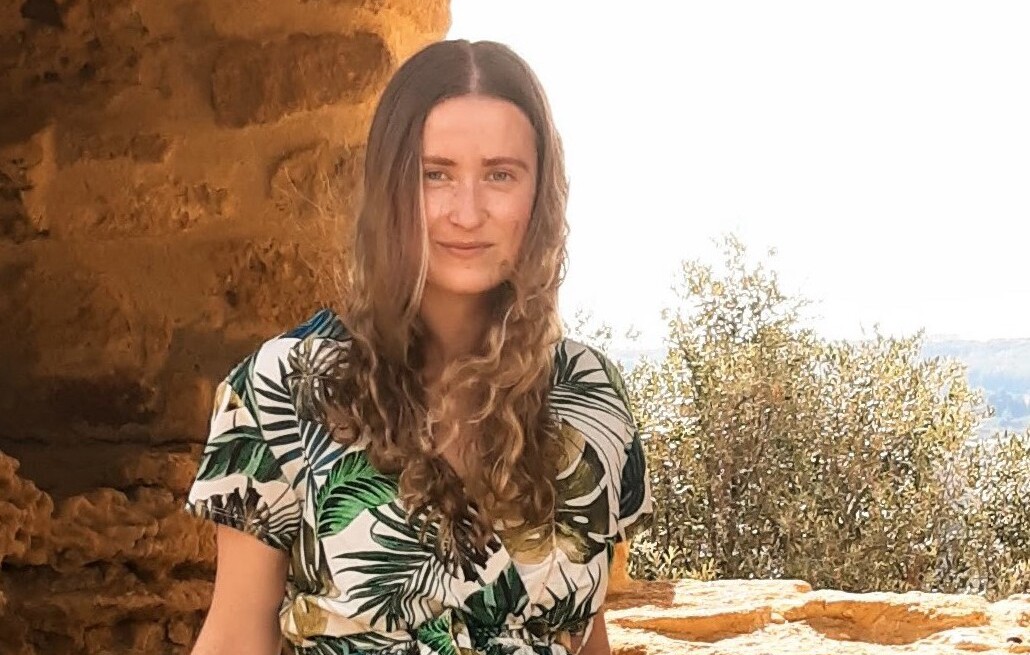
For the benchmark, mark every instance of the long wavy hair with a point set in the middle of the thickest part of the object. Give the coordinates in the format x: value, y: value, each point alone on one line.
x: 378, y: 390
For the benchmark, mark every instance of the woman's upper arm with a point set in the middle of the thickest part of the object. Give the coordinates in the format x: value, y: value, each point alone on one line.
x: 250, y: 582
x: 597, y: 642
x: 246, y: 485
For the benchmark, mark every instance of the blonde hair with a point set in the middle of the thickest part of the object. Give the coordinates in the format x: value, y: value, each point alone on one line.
x: 376, y: 389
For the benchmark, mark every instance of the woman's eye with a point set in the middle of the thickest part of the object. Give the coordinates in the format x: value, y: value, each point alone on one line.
x: 434, y: 176
x: 500, y: 176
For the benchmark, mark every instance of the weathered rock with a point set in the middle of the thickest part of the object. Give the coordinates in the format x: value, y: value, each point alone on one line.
x: 144, y: 527
x: 317, y: 181
x: 25, y: 514
x: 78, y: 144
x: 785, y: 616
x: 111, y: 608
x: 24, y: 167
x: 261, y: 82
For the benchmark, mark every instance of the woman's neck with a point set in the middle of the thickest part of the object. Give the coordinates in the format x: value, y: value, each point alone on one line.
x: 455, y: 323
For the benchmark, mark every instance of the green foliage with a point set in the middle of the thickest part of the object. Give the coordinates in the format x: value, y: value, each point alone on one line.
x: 775, y: 453
x: 988, y: 549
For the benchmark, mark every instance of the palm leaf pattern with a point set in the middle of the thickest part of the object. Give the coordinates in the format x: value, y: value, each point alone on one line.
x: 323, y: 324
x: 241, y: 450
x: 352, y: 486
x: 581, y: 508
x: 363, y: 644
x: 321, y: 453
x: 242, y: 447
x: 312, y: 361
x: 260, y: 501
x: 365, y: 577
x: 635, y: 498
x: 436, y: 635
x: 568, y: 613
x: 246, y: 510
x: 490, y: 606
x: 580, y: 397
x: 402, y: 572
x: 310, y: 573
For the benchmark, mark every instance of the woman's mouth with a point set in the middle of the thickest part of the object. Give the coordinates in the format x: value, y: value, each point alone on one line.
x: 464, y: 249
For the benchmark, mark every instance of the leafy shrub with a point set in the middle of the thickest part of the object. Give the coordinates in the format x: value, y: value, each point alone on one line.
x: 775, y: 453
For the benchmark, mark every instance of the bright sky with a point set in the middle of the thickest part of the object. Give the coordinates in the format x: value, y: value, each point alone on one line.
x: 883, y: 149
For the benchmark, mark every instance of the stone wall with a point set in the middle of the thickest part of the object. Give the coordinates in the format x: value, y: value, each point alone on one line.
x: 163, y: 176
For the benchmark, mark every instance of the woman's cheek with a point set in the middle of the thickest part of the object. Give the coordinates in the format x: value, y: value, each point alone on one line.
x: 435, y: 202
x: 513, y: 207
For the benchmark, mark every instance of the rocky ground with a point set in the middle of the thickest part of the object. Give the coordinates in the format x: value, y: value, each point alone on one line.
x: 752, y: 617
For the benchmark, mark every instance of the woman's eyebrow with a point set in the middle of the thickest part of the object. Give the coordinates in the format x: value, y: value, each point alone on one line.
x: 510, y: 161
x: 435, y: 160
x: 438, y: 161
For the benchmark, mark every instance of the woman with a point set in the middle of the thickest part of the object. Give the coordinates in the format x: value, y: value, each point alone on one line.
x: 434, y: 470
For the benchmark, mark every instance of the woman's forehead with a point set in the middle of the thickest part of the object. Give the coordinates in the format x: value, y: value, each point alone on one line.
x: 471, y: 123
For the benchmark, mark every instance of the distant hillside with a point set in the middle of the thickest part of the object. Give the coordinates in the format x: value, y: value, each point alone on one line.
x: 998, y: 362
x: 1001, y: 367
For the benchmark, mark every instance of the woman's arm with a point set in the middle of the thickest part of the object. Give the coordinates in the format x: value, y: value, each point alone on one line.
x: 597, y: 641
x: 250, y: 581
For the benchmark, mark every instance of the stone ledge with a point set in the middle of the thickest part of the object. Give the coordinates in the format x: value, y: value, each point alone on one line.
x: 751, y: 617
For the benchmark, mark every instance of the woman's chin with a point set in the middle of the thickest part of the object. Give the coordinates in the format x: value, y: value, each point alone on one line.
x: 465, y: 287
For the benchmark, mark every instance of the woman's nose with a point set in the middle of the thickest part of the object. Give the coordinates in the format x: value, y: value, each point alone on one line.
x: 468, y: 211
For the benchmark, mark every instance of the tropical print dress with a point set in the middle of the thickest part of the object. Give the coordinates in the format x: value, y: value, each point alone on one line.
x: 360, y: 580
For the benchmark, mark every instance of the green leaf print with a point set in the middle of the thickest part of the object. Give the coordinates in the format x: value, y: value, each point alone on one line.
x: 313, y: 368
x: 310, y: 573
x: 241, y: 449
x: 352, y: 486
x: 589, y: 401
x: 567, y: 614
x: 246, y: 447
x: 436, y: 634
x: 400, y: 572
x: 580, y: 509
x: 237, y: 381
x: 491, y: 605
x: 613, y: 374
x: 362, y: 644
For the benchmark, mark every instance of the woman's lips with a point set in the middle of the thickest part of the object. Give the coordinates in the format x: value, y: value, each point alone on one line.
x: 465, y: 250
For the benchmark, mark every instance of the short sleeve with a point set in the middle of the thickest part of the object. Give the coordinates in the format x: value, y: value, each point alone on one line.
x: 241, y: 481
x: 635, y: 508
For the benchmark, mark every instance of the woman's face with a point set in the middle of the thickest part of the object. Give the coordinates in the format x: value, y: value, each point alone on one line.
x: 478, y: 188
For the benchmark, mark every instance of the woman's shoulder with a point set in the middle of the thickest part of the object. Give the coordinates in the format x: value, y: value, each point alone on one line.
x: 321, y: 331
x: 577, y: 361
x: 323, y: 324
x: 295, y: 360
x: 588, y: 384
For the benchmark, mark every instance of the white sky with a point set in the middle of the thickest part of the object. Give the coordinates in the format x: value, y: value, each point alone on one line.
x: 883, y: 149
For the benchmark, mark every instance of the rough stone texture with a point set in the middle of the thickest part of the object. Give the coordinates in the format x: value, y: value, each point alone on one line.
x: 249, y: 84
x: 753, y: 617
x: 174, y: 178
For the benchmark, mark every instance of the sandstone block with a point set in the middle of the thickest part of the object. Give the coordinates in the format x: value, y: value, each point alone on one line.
x: 317, y: 181
x: 260, y: 83
x: 84, y: 145
x: 144, y: 205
